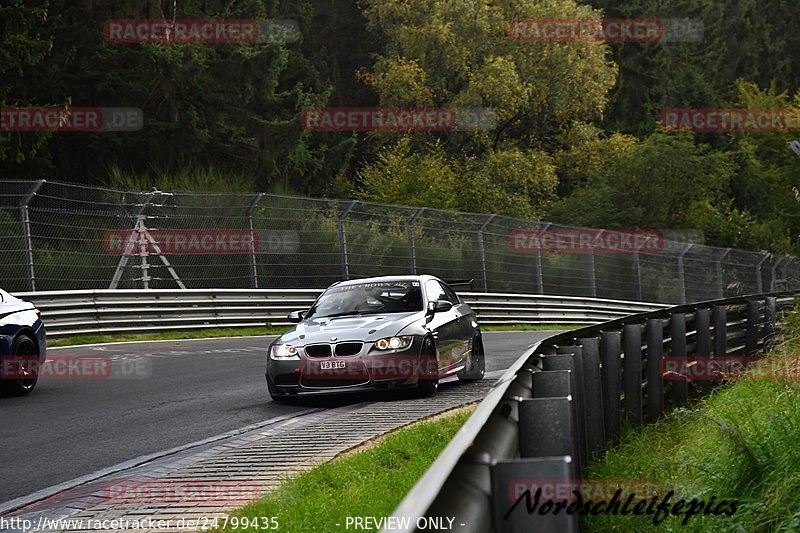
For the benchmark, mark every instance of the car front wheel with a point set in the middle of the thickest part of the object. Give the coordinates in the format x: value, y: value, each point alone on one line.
x: 428, y: 378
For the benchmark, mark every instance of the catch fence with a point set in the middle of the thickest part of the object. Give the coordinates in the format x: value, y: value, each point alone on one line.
x: 60, y: 236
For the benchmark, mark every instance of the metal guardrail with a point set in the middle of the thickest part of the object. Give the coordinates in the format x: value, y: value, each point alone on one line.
x: 563, y: 401
x: 134, y: 310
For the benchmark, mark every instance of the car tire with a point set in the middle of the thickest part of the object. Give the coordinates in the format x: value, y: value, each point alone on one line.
x: 428, y: 380
x: 10, y: 385
x: 476, y: 368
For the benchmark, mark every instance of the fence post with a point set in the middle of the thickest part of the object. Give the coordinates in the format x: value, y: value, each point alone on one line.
x: 539, y: 274
x: 720, y: 285
x: 773, y: 284
x: 682, y: 271
x: 638, y: 267
x: 253, y: 264
x: 343, y: 239
x: 759, y: 276
x: 482, y: 251
x: 27, y: 245
x: 593, y: 270
x: 412, y: 248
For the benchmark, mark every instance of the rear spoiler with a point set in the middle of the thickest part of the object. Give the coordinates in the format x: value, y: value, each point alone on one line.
x: 460, y: 283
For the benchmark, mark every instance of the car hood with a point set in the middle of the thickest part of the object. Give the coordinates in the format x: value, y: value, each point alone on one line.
x: 363, y: 328
x: 12, y: 305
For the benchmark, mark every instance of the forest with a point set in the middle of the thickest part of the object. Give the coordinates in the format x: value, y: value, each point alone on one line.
x: 577, y: 135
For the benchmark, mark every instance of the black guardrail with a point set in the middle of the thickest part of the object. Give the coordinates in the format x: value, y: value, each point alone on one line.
x: 563, y: 402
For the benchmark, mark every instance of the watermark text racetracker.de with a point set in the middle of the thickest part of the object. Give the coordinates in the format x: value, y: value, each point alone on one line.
x: 72, y: 119
x: 611, y: 30
x: 75, y: 367
x: 729, y: 367
x: 209, y: 31
x: 731, y: 120
x: 585, y: 241
x: 363, y: 119
x: 200, y: 241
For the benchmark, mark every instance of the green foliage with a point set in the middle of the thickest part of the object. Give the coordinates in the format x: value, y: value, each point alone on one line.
x: 405, y: 177
x: 186, y: 179
x: 577, y: 137
x: 508, y: 182
x: 665, y: 181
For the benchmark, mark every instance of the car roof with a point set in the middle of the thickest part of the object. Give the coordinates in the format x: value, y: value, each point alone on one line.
x: 420, y: 277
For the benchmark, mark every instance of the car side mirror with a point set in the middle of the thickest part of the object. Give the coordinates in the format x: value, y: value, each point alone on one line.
x: 443, y: 305
x: 439, y: 306
x: 296, y: 316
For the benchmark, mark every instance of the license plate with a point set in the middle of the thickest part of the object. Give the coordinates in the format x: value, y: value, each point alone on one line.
x: 331, y: 365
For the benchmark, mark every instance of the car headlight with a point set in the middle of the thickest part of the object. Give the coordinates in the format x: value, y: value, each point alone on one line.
x: 283, y: 351
x: 393, y: 343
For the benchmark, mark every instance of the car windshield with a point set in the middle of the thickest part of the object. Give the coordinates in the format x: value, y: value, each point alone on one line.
x: 368, y: 298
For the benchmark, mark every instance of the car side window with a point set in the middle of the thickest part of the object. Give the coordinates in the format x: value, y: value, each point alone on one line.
x: 441, y: 292
x: 435, y: 291
x: 452, y: 296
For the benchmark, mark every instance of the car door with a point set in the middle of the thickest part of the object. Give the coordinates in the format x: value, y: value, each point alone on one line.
x: 467, y: 321
x: 446, y: 328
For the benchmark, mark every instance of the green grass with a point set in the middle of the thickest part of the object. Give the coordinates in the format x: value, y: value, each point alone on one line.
x: 740, y: 443
x: 243, y: 332
x: 167, y: 335
x: 367, y: 483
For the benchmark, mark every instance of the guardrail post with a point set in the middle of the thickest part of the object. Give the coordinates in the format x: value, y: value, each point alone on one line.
x: 482, y: 251
x: 632, y: 372
x: 751, y: 328
x: 593, y: 389
x: 655, y: 383
x: 343, y: 239
x: 412, y: 248
x: 547, y: 427
x: 552, y: 384
x: 27, y: 244
x: 677, y: 332
x: 514, y: 486
x: 571, y: 358
x: 771, y: 316
x: 610, y: 352
x: 253, y: 263
x: 720, y: 319
x: 702, y: 323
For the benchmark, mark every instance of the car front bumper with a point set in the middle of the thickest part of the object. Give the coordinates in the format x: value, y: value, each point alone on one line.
x: 367, y: 370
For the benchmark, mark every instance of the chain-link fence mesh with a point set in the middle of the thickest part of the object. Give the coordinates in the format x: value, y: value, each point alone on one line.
x: 58, y: 236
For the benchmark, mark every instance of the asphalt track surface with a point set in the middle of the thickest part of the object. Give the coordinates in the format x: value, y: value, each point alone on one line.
x: 173, y: 393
